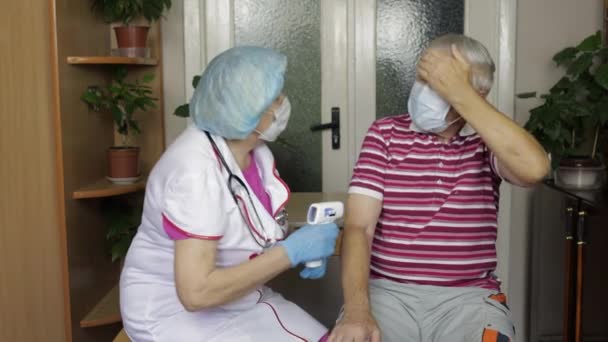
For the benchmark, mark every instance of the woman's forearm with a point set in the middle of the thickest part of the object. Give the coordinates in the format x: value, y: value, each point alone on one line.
x: 223, y: 285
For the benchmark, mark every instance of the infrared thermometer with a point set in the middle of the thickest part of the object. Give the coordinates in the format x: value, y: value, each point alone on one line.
x: 320, y: 213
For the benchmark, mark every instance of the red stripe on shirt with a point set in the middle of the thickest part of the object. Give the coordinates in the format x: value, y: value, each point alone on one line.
x: 438, y: 223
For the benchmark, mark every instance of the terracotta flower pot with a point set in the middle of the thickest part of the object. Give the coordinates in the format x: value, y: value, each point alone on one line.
x: 123, y: 162
x: 131, y: 36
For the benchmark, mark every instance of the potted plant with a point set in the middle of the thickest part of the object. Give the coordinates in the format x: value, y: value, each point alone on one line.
x: 122, y: 99
x: 183, y: 111
x: 131, y: 39
x: 574, y: 114
x: 123, y: 217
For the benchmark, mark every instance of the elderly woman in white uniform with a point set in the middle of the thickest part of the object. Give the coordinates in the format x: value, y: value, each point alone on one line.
x: 214, y: 227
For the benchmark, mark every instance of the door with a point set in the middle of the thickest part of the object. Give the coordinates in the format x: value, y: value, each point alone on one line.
x: 355, y: 56
x: 310, y: 33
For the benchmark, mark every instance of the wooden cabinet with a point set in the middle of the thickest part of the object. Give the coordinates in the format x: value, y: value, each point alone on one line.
x: 569, y: 275
x: 57, y: 282
x: 32, y: 305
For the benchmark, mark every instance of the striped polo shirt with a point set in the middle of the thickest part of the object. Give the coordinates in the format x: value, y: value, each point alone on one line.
x: 438, y: 223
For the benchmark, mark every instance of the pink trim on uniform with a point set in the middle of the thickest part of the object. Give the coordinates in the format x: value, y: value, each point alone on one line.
x: 438, y: 223
x: 276, y: 175
x: 176, y: 233
x: 252, y: 176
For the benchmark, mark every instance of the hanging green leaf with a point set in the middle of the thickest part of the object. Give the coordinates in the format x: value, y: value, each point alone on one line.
x: 601, y: 76
x: 92, y: 99
x: 554, y: 131
x: 123, y: 217
x: 117, y: 114
x: 148, y: 78
x: 119, y: 249
x: 120, y: 73
x: 564, y: 84
x: 134, y: 126
x: 195, y: 81
x: 591, y: 43
x: 582, y: 63
x: 182, y: 111
x: 603, y: 53
x: 566, y: 56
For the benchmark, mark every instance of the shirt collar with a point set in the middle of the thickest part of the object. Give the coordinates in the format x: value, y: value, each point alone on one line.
x: 465, y: 131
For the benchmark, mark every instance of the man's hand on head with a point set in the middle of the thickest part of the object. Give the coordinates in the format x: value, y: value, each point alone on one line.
x: 446, y: 73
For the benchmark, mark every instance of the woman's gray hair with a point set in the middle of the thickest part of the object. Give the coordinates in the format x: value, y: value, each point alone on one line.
x: 482, y: 76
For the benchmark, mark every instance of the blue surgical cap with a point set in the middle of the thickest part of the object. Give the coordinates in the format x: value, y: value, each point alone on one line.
x: 235, y: 89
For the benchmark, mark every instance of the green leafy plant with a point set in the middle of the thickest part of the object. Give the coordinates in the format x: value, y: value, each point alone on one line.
x: 183, y: 111
x: 574, y: 112
x: 126, y: 11
x: 122, y: 99
x: 122, y: 219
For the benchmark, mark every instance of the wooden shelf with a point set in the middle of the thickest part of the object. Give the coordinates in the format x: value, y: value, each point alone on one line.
x: 104, y: 188
x: 107, y: 311
x: 111, y: 60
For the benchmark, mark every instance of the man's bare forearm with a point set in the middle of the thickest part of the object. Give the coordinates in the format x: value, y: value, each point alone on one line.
x: 355, y: 268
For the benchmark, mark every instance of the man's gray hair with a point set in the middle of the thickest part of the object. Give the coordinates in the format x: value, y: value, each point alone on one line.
x: 482, y: 65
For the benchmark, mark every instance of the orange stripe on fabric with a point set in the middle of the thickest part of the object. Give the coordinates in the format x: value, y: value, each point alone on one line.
x: 499, y: 297
x: 489, y: 335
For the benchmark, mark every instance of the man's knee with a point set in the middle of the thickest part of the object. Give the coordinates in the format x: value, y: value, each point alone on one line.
x: 395, y: 319
x: 499, y: 326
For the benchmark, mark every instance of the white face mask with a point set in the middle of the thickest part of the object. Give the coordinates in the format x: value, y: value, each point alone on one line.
x: 427, y: 109
x: 281, y: 117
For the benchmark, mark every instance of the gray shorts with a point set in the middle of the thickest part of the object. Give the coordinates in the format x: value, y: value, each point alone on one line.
x: 422, y: 313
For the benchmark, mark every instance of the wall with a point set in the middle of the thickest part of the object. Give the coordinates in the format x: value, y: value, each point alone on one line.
x: 174, y: 82
x: 544, y: 27
x: 31, y: 297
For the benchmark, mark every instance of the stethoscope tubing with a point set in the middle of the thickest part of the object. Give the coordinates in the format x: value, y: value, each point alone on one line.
x: 244, y: 213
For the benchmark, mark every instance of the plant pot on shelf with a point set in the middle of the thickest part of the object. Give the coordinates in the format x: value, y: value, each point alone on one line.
x: 131, y: 40
x: 580, y: 173
x: 123, y: 164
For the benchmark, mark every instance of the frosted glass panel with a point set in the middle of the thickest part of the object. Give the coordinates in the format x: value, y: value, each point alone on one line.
x: 292, y: 28
x: 404, y: 28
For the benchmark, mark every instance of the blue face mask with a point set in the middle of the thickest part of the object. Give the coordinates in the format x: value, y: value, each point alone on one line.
x: 427, y: 109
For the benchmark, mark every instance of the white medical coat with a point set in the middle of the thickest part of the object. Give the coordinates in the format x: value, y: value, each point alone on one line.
x: 188, y: 186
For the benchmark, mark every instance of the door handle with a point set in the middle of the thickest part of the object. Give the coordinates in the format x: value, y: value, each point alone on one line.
x: 334, y: 125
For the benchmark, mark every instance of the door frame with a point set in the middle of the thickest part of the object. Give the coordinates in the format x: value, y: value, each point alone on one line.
x: 215, y: 18
x: 493, y: 22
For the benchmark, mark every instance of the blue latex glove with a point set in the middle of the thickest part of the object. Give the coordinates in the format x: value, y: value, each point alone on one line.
x: 314, y: 273
x: 311, y: 242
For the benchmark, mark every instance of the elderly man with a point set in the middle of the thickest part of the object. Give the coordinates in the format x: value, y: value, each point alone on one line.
x: 419, y: 248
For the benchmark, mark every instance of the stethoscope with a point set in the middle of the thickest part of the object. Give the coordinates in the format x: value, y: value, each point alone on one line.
x: 234, y: 182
